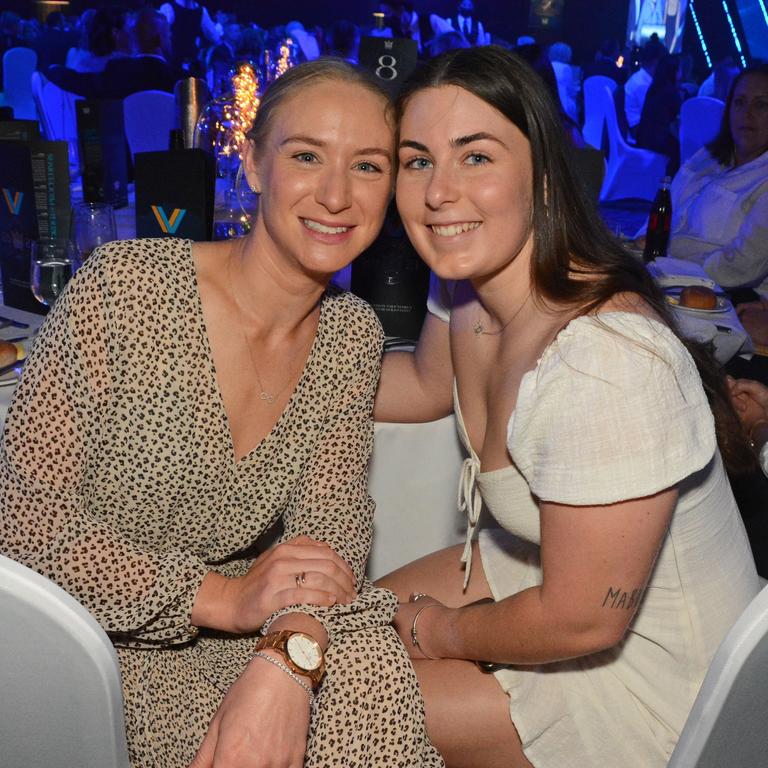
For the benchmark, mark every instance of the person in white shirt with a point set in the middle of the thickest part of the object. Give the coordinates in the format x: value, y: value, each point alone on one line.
x: 567, y: 86
x: 465, y: 22
x: 720, y: 196
x: 636, y: 88
x: 189, y: 21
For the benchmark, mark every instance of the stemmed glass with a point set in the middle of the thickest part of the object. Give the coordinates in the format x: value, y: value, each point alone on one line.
x: 93, y: 224
x: 51, y: 264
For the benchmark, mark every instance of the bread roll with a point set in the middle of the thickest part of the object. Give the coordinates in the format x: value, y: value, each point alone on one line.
x: 698, y: 297
x: 8, y: 353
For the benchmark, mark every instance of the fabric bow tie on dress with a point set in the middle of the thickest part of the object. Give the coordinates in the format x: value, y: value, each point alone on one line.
x: 470, y: 502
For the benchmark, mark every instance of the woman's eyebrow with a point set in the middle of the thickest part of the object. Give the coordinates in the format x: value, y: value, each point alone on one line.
x: 462, y: 141
x: 301, y: 139
x: 408, y: 144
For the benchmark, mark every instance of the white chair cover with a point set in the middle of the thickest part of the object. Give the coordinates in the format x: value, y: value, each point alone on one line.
x: 727, y: 725
x: 630, y: 172
x: 18, y: 66
x: 149, y: 118
x: 60, y: 697
x: 594, y: 108
x: 700, y: 119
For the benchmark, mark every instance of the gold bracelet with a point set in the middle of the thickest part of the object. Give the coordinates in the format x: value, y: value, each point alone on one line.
x: 415, y: 637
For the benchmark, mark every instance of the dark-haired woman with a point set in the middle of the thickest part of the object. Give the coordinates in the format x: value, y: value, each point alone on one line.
x: 619, y: 560
x: 720, y: 195
x: 183, y: 397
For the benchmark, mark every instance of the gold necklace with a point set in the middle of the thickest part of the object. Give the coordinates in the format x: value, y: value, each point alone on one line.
x: 267, y: 397
x: 479, y: 328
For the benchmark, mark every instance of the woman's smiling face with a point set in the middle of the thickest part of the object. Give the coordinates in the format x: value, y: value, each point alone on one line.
x: 324, y: 171
x: 464, y: 185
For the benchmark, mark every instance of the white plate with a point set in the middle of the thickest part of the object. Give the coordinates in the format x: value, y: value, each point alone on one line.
x: 723, y: 305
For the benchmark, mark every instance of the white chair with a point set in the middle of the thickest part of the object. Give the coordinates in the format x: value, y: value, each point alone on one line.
x: 630, y: 172
x: 727, y: 724
x: 18, y: 66
x: 594, y: 108
x: 414, y: 479
x: 60, y: 697
x: 149, y: 118
x: 700, y: 119
x: 58, y: 118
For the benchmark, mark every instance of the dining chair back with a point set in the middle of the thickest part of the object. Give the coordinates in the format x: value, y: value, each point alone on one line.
x: 60, y: 697
x: 589, y: 167
x: 631, y: 173
x: 726, y: 726
x: 700, y: 119
x: 18, y: 65
x: 149, y: 118
x: 594, y: 109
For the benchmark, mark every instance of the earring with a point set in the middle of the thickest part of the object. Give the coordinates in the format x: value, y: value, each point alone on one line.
x: 253, y: 188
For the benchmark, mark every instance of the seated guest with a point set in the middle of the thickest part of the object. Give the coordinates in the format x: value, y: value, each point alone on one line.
x: 718, y: 84
x: 636, y: 87
x: 594, y: 433
x: 658, y: 127
x: 560, y: 57
x: 720, y: 195
x: 149, y: 69
x: 183, y: 397
x: 190, y: 23
x: 606, y: 63
x: 98, y: 44
x: 54, y: 41
x: 307, y: 42
x: 343, y: 40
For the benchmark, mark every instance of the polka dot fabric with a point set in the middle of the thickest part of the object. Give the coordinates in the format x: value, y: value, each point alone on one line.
x: 119, y: 483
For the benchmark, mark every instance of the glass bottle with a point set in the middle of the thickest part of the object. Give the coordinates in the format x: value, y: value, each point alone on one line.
x: 659, y: 223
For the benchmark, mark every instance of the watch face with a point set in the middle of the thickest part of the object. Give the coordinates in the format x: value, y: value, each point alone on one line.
x: 304, y: 652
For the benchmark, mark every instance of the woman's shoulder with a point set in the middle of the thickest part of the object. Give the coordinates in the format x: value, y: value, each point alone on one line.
x: 148, y: 258
x: 352, y: 316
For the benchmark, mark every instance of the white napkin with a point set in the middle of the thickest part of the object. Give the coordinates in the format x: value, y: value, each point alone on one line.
x: 667, y: 271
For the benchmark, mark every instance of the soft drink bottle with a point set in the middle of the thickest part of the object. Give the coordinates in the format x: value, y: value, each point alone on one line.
x: 659, y: 223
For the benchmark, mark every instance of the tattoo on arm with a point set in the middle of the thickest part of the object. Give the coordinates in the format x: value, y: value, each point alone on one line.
x: 616, y: 597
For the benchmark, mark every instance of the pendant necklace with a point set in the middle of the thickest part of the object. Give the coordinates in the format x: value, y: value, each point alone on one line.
x: 479, y: 328
x: 267, y: 397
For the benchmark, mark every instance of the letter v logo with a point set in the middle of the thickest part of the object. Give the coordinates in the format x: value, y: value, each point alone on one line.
x: 13, y: 201
x: 168, y: 225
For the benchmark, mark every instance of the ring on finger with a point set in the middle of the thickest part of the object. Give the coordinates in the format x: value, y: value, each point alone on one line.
x: 300, y: 579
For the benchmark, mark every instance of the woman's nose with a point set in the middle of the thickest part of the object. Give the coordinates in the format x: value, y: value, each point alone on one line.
x: 333, y: 191
x: 441, y: 188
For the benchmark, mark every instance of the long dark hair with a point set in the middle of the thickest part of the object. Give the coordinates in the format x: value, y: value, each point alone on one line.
x: 721, y: 147
x: 570, y: 241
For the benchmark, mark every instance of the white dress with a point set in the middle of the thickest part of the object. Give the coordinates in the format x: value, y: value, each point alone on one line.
x: 615, y: 410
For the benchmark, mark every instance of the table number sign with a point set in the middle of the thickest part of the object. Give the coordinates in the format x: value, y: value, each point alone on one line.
x: 103, y: 151
x: 390, y: 59
x: 175, y: 194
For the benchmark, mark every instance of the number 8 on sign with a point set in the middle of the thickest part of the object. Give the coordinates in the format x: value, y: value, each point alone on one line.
x: 386, y: 69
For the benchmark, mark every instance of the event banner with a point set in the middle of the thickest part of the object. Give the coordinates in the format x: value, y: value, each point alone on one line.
x: 174, y: 194
x: 103, y: 151
x: 390, y: 59
x: 34, y: 183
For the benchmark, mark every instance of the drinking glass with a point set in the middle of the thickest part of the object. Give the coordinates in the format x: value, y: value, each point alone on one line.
x: 51, y: 264
x: 93, y: 224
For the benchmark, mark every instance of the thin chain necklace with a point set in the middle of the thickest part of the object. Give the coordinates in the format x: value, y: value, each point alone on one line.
x: 479, y: 328
x: 267, y: 397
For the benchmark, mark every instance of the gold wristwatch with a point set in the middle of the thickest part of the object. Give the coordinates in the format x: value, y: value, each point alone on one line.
x: 301, y: 653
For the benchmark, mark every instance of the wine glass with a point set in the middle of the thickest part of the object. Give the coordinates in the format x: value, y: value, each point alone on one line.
x: 51, y: 264
x: 93, y: 224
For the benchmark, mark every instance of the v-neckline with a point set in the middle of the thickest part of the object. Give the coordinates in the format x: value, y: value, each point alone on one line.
x: 214, y: 381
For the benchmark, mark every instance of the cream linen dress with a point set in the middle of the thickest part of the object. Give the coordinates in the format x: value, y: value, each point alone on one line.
x: 615, y: 410
x: 118, y: 481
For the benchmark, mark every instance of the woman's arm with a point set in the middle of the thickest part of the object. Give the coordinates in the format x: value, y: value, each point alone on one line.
x: 417, y: 386
x: 596, y: 562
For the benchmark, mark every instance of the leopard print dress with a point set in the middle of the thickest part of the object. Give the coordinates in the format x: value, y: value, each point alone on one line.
x: 118, y: 482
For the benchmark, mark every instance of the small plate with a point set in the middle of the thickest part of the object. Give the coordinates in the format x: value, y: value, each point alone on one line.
x: 723, y: 305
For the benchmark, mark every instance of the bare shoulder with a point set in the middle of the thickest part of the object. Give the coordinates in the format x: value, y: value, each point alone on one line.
x: 629, y: 302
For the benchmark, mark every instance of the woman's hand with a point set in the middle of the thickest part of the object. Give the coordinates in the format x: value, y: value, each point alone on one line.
x: 296, y: 572
x: 262, y: 722
x: 750, y: 400
x: 754, y: 318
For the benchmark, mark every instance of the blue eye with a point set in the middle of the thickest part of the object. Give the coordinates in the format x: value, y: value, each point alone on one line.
x: 477, y: 158
x: 417, y: 163
x: 305, y: 157
x: 368, y: 167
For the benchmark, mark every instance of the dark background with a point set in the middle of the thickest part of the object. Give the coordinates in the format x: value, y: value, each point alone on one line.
x: 585, y: 23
